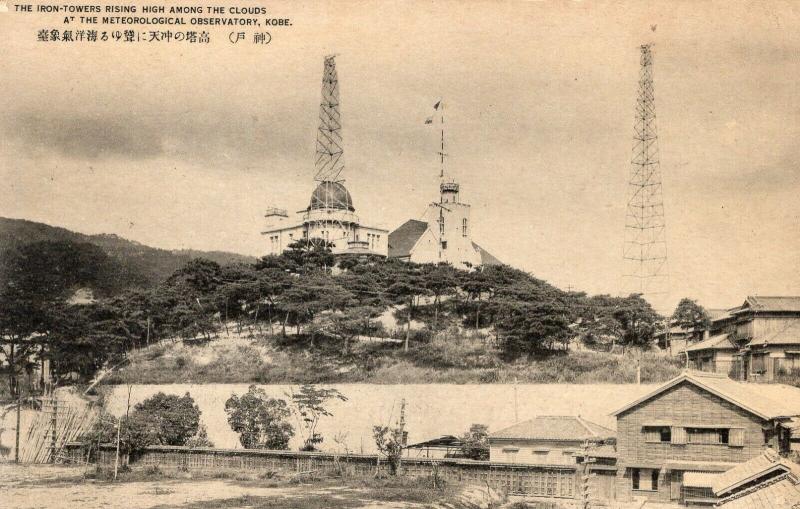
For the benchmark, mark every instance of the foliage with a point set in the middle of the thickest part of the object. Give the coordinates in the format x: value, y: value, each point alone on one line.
x: 689, y: 315
x: 175, y: 419
x: 638, y: 319
x: 476, y: 442
x: 309, y: 406
x: 159, y: 420
x: 259, y: 420
x: 389, y: 442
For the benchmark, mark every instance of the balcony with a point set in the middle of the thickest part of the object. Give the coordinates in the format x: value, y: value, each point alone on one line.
x: 341, y: 216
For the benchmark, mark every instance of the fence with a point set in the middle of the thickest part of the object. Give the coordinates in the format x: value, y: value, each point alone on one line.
x: 557, y: 481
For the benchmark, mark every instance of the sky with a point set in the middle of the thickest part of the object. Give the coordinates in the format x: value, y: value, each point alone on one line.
x: 180, y: 146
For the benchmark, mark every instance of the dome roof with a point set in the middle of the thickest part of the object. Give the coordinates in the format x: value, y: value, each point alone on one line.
x: 331, y: 195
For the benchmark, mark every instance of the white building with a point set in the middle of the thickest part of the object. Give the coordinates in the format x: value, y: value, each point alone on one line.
x: 443, y: 235
x: 331, y: 216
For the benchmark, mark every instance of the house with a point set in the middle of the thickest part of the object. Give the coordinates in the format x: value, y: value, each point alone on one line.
x: 755, y: 341
x: 547, y: 440
x: 698, y: 422
x: 768, y: 328
x: 446, y: 446
x: 716, y: 354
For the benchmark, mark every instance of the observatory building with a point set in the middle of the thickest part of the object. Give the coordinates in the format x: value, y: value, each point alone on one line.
x: 444, y: 233
x: 330, y: 214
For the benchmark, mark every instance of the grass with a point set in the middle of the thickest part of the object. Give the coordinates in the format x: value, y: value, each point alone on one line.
x: 446, y: 358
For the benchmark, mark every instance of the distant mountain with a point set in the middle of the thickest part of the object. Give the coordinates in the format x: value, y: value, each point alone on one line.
x: 153, y: 264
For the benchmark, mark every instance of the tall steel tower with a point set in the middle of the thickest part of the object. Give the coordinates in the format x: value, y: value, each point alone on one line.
x: 645, y: 249
x: 329, y: 163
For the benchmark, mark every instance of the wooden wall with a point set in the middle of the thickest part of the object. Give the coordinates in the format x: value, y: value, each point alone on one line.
x: 684, y: 405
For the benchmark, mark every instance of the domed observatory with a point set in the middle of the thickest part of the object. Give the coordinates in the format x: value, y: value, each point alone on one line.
x: 330, y: 215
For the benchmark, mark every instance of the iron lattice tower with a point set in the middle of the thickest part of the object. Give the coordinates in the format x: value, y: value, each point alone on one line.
x: 334, y: 219
x: 330, y: 162
x: 645, y: 248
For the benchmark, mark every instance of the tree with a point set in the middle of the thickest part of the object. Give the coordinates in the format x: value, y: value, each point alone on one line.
x: 309, y: 406
x: 530, y: 318
x: 439, y: 280
x: 389, y: 442
x: 136, y: 432
x: 176, y: 419
x: 259, y: 420
x: 475, y: 442
x: 310, y: 254
x: 689, y: 315
x: 476, y: 284
x: 408, y: 285
x: 639, y: 320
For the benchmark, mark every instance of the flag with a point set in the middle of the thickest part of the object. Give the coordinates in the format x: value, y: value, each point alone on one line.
x: 436, y: 106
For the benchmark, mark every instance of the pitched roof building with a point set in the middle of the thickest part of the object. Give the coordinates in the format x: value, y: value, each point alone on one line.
x: 443, y: 235
x: 696, y: 423
x: 547, y: 440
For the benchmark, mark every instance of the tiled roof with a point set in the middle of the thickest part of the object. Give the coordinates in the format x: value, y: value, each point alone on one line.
x: 486, y: 258
x: 402, y: 240
x: 555, y: 427
x: 788, y: 335
x: 758, y: 303
x: 778, y: 493
x: 767, y: 401
x: 720, y: 342
x: 720, y: 314
x: 749, y: 471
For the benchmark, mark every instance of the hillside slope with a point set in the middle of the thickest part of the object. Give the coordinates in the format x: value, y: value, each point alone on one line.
x: 153, y: 263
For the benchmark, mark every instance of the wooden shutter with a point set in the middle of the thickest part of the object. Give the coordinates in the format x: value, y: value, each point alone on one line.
x: 736, y: 438
x: 652, y: 435
x: 678, y: 435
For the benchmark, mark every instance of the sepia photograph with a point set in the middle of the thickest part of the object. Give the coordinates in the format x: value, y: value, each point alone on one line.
x: 440, y: 254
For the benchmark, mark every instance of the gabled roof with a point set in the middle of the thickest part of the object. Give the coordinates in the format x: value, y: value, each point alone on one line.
x: 775, y: 304
x: 781, y: 492
x: 720, y: 342
x: 788, y: 335
x: 767, y: 401
x: 486, y: 258
x: 554, y: 427
x: 764, y: 464
x: 402, y: 240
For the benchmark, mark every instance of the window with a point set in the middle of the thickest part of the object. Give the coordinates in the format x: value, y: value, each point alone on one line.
x: 707, y: 435
x: 759, y: 364
x: 644, y: 479
x: 657, y: 434
x: 464, y: 227
x: 441, y: 226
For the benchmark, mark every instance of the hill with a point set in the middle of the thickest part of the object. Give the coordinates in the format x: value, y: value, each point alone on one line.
x: 153, y: 264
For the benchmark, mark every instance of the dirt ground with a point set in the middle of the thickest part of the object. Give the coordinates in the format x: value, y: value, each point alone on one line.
x: 52, y: 486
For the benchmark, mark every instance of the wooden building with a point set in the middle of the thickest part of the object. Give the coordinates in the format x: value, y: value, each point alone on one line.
x: 768, y: 330
x: 547, y: 440
x: 698, y: 422
x: 716, y: 354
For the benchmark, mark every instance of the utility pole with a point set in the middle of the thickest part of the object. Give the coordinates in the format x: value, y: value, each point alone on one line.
x: 645, y: 247
x: 19, y: 411
x: 400, y: 435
